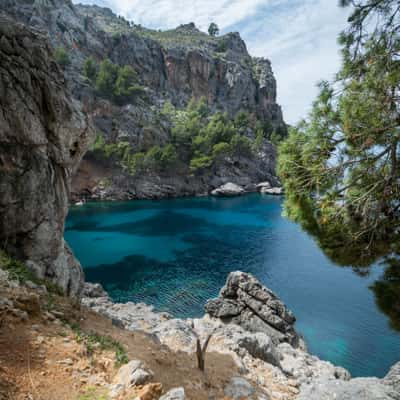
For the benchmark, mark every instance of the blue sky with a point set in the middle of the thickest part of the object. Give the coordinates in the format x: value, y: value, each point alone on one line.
x: 298, y: 36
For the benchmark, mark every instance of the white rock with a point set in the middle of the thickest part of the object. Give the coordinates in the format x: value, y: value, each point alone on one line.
x: 238, y: 388
x: 229, y: 189
x: 277, y: 191
x: 263, y: 185
x: 174, y: 394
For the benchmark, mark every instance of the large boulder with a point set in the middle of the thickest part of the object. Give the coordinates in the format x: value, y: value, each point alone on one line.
x: 228, y: 189
x: 43, y: 135
x: 245, y: 301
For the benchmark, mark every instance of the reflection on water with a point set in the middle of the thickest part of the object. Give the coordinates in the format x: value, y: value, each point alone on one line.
x: 175, y: 254
x: 387, y: 291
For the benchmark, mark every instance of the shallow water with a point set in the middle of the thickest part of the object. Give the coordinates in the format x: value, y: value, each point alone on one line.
x: 175, y: 254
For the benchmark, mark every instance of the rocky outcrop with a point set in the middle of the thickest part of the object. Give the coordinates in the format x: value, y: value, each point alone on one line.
x: 244, y: 301
x: 43, y: 135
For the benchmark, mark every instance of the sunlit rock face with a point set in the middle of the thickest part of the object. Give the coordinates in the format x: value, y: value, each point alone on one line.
x: 43, y: 135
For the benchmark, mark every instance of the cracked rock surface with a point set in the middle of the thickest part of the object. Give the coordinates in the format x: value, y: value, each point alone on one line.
x: 43, y: 135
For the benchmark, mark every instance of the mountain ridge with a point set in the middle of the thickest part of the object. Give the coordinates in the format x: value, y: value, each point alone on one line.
x: 173, y: 66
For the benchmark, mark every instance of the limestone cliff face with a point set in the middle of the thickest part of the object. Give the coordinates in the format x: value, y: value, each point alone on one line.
x: 174, y: 66
x: 43, y: 135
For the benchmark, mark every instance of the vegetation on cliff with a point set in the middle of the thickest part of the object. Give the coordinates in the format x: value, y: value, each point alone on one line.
x: 117, y: 83
x: 199, y: 139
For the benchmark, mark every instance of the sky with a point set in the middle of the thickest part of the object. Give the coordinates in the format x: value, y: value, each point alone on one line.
x: 298, y: 36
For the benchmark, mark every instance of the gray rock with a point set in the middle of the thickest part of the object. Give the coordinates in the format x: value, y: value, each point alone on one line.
x: 228, y: 189
x: 174, y: 394
x: 132, y: 374
x: 358, y: 388
x: 260, y: 346
x: 132, y: 316
x: 393, y: 377
x: 43, y: 135
x: 238, y: 388
x: 115, y: 390
x: 93, y: 290
x: 244, y: 301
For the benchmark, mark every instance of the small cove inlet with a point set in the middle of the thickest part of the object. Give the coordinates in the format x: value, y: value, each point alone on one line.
x: 176, y: 253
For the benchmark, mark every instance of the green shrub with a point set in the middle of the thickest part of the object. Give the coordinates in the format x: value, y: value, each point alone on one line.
x: 242, y: 120
x: 126, y: 83
x: 93, y: 393
x: 169, y: 156
x: 90, y: 69
x: 258, y: 142
x: 221, y: 150
x: 200, y: 163
x: 241, y: 146
x: 19, y: 272
x: 93, y: 340
x: 108, y: 73
x: 221, y: 47
x: 116, y: 83
x: 168, y: 110
x: 61, y: 56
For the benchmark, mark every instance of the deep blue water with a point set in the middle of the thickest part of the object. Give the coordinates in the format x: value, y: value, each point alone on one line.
x: 175, y: 254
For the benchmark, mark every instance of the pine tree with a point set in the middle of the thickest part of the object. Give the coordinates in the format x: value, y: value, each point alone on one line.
x: 340, y: 167
x: 213, y: 29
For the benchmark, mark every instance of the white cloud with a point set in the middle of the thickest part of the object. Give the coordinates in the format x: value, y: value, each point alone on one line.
x: 298, y: 36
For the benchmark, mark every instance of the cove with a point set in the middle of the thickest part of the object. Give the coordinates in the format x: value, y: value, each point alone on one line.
x: 176, y: 253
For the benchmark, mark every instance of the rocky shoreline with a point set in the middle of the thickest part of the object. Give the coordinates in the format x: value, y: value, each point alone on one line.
x: 161, y: 190
x: 252, y: 325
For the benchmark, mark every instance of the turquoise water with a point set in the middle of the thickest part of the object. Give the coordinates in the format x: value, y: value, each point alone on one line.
x: 175, y: 254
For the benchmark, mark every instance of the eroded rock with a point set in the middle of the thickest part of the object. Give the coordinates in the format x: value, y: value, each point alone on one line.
x: 246, y: 302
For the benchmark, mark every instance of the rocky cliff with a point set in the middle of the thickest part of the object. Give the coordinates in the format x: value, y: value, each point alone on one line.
x: 172, y: 67
x: 43, y: 135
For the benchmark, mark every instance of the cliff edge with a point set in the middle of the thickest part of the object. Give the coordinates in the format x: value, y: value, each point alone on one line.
x: 43, y: 136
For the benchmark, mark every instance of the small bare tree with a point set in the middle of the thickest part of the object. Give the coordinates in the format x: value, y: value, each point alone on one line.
x: 201, y: 350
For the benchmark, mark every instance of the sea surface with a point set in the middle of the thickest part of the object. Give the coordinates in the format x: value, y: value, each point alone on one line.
x: 176, y: 254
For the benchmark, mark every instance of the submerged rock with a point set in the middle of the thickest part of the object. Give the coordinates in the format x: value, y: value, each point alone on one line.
x: 228, y: 189
x: 244, y: 301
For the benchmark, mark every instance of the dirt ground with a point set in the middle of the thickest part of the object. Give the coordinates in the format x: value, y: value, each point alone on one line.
x: 42, y: 358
